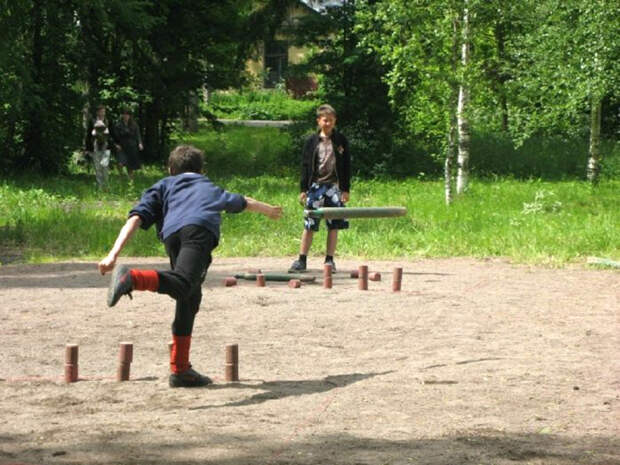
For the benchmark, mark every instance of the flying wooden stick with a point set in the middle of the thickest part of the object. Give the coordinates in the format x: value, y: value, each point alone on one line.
x: 355, y: 212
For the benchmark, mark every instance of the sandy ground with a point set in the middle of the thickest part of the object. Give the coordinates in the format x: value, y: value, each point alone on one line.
x: 474, y: 362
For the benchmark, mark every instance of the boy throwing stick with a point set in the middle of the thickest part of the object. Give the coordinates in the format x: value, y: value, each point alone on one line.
x: 325, y: 182
x: 185, y: 207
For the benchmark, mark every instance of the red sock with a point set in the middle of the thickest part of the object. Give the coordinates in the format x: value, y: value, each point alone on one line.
x: 179, y: 354
x: 145, y: 280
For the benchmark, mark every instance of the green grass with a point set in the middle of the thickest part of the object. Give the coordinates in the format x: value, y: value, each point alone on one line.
x: 551, y: 223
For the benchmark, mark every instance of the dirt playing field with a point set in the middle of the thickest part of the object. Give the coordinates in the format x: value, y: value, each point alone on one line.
x: 474, y: 362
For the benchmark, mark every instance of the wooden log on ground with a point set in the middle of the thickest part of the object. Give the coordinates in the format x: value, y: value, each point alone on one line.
x: 284, y: 277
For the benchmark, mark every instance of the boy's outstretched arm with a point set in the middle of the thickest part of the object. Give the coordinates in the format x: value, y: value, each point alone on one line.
x: 272, y: 211
x: 107, y: 264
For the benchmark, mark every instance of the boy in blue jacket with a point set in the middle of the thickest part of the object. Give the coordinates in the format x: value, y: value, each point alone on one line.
x: 185, y: 208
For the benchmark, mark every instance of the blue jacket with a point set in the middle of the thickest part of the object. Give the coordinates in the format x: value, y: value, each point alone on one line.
x: 186, y: 199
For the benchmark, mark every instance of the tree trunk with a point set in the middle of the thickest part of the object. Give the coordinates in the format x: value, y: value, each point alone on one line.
x: 449, y: 163
x: 33, y: 135
x: 594, y: 159
x: 452, y: 129
x: 462, y: 178
x: 501, y: 77
x: 190, y: 118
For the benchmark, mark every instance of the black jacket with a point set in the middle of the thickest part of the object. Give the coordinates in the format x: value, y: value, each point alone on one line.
x: 309, y: 161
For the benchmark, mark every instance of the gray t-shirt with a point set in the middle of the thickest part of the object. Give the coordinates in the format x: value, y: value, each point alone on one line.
x: 327, y: 162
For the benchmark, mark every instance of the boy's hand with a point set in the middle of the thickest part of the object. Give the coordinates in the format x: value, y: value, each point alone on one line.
x: 107, y: 264
x: 275, y: 213
x: 302, y: 199
x: 345, y: 197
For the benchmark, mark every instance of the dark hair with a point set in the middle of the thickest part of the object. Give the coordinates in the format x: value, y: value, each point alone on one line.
x: 100, y: 107
x: 184, y: 159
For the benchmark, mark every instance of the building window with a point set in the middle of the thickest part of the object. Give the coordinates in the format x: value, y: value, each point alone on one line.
x: 276, y: 62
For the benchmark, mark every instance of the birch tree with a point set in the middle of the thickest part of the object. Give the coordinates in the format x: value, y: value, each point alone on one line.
x: 464, y: 136
x: 429, y: 80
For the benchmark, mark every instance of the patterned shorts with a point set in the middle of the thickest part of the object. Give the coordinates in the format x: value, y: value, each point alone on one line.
x: 324, y: 195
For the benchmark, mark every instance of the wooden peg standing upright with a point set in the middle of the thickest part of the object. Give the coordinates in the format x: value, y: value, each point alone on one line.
x: 397, y: 278
x: 231, y: 368
x: 327, y: 276
x: 362, y: 282
x: 260, y: 280
x: 125, y: 357
x: 71, y: 363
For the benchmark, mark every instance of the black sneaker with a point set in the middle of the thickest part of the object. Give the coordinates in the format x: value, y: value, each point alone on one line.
x: 189, y: 378
x: 121, y: 284
x: 297, y: 267
x: 331, y: 262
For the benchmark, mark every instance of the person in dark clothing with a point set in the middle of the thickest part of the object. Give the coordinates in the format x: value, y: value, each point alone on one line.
x: 128, y: 142
x: 186, y: 210
x: 96, y: 145
x: 325, y: 182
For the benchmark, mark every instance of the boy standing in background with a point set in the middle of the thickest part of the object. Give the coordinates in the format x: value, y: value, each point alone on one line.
x: 325, y: 182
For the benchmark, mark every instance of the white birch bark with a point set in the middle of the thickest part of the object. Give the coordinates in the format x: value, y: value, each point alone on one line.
x: 594, y: 155
x: 452, y: 130
x: 462, y: 178
x: 449, y: 163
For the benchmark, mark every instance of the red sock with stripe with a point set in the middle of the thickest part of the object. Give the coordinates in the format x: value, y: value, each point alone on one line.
x: 179, y: 354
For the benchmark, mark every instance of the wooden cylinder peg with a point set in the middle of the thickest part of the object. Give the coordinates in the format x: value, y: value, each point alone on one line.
x: 376, y: 276
x: 122, y: 373
x: 71, y: 354
x: 71, y: 373
x: 126, y: 352
x: 327, y: 276
x: 294, y: 283
x: 71, y: 363
x: 125, y: 357
x: 260, y: 280
x: 231, y: 367
x: 230, y: 281
x: 363, y: 278
x: 397, y: 277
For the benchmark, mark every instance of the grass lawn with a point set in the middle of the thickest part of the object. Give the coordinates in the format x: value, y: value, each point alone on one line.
x: 526, y: 221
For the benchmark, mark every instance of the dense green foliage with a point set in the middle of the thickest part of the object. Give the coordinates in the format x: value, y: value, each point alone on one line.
x: 260, y: 105
x: 534, y: 221
x: 58, y: 58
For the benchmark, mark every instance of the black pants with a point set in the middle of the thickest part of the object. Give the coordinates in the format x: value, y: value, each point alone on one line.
x: 189, y: 250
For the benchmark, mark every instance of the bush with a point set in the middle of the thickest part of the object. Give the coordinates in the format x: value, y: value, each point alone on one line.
x: 260, y: 105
